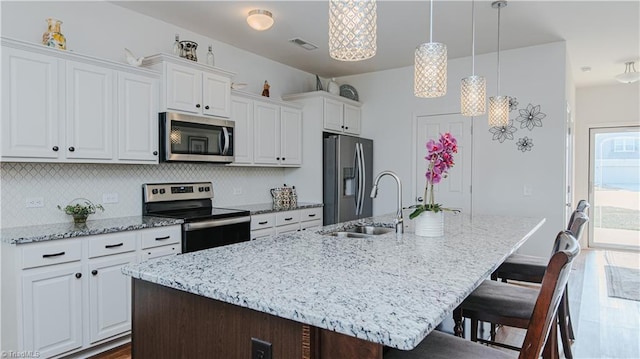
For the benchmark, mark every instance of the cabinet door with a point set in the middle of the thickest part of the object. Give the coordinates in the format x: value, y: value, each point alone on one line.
x: 137, y: 118
x: 109, y: 297
x: 242, y: 115
x: 90, y: 111
x: 216, y: 95
x: 291, y: 136
x: 52, y: 309
x: 30, y: 118
x: 352, y: 119
x: 183, y: 88
x: 266, y: 123
x: 333, y: 115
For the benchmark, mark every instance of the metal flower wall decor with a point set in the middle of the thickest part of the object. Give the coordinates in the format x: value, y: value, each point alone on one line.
x: 529, y: 118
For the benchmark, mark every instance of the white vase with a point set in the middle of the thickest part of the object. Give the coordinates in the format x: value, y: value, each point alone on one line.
x: 430, y: 224
x: 333, y: 87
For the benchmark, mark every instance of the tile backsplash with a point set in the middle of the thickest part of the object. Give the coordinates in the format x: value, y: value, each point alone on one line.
x: 58, y: 184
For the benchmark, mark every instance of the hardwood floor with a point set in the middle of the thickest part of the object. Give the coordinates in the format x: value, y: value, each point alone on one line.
x: 605, y: 327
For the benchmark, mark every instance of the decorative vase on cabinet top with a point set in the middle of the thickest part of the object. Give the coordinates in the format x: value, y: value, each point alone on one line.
x: 333, y: 87
x: 53, y: 37
x: 430, y: 224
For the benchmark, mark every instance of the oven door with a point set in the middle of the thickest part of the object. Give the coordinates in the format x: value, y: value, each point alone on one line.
x: 197, y: 236
x: 188, y: 138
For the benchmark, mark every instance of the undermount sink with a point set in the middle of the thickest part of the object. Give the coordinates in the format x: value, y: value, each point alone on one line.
x: 370, y: 230
x: 362, y: 232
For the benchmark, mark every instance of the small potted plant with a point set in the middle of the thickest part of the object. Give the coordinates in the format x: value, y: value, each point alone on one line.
x: 80, y: 209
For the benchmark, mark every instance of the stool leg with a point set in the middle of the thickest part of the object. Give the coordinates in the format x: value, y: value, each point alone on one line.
x: 550, y: 350
x: 564, y: 330
x: 458, y: 328
x: 474, y: 329
x: 572, y: 336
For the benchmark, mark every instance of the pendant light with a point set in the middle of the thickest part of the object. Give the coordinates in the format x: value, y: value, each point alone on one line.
x: 352, y: 29
x: 430, y: 77
x: 473, y: 88
x: 498, y: 105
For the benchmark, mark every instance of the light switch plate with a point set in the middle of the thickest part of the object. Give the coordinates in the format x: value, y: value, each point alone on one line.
x: 109, y: 198
x: 35, y: 202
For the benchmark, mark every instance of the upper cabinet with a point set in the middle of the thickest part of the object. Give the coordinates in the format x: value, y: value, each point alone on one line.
x: 191, y: 87
x: 267, y: 132
x: 63, y: 107
x: 338, y: 114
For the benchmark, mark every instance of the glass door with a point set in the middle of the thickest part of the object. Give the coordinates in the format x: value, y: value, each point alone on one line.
x: 614, y: 187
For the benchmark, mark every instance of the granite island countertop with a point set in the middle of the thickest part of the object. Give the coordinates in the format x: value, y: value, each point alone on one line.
x: 261, y: 208
x: 47, y: 232
x: 386, y: 289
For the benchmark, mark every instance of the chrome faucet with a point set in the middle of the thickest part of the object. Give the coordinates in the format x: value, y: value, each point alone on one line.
x: 399, y: 221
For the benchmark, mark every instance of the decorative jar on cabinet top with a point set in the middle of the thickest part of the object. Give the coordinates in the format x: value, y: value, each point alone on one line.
x: 53, y: 37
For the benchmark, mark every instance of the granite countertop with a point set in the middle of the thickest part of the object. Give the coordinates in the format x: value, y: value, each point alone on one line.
x: 47, y: 232
x: 388, y: 289
x: 261, y: 208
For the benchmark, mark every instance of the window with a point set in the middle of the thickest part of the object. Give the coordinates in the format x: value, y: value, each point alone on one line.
x: 624, y: 145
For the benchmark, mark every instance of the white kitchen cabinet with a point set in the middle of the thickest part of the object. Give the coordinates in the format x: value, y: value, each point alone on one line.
x: 341, y: 117
x: 192, y: 87
x: 242, y: 115
x: 69, y: 295
x: 90, y: 111
x: 109, y: 297
x: 60, y: 106
x: 352, y: 119
x: 268, y: 224
x: 267, y: 132
x: 137, y: 118
x: 52, y: 309
x: 30, y: 108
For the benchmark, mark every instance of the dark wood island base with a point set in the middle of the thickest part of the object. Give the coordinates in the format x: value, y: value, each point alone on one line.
x: 168, y: 323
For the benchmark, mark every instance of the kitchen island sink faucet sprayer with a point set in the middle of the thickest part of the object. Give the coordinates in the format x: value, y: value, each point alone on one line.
x: 399, y: 221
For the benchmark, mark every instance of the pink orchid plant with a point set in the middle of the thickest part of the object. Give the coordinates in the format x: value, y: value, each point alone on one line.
x: 440, y: 159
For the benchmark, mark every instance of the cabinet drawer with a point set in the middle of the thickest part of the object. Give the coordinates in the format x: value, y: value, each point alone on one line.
x: 114, y: 243
x: 288, y: 228
x: 162, y: 236
x: 39, y: 254
x: 260, y: 221
x: 161, y: 251
x: 261, y: 233
x: 287, y: 217
x: 310, y: 225
x: 311, y: 214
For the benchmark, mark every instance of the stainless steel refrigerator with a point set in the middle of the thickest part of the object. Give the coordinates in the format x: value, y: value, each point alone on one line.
x: 347, y: 178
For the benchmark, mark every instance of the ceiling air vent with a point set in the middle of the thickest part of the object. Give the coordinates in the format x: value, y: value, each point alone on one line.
x: 304, y: 44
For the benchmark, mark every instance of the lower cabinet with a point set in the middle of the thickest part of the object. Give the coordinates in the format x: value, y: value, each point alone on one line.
x: 70, y: 295
x: 268, y: 224
x: 52, y: 309
x: 109, y: 297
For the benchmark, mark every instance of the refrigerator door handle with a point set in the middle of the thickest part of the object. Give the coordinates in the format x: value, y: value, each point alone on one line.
x: 363, y: 174
x: 359, y: 174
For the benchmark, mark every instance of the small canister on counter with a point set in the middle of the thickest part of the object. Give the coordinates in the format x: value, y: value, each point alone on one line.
x: 284, y: 197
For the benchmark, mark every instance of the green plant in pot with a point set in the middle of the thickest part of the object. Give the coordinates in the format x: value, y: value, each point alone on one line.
x: 80, y: 209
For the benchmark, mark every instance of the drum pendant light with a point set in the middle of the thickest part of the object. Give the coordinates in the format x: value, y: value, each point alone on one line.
x: 430, y: 77
x: 498, y: 105
x: 473, y: 88
x: 352, y: 29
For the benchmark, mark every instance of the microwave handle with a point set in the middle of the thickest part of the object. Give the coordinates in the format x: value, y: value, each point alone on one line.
x: 226, y: 141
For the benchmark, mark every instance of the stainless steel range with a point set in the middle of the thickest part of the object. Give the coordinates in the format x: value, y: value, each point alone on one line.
x: 204, y: 226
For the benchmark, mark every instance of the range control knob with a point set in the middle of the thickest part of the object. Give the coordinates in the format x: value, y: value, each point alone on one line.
x: 200, y: 189
x: 162, y: 191
x: 207, y: 189
x: 154, y: 191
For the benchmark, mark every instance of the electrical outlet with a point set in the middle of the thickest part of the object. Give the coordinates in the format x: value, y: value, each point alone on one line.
x: 260, y: 349
x: 35, y: 202
x: 527, y: 190
x: 109, y: 198
x: 237, y: 191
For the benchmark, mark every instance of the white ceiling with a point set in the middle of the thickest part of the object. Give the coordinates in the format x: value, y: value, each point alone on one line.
x: 599, y: 34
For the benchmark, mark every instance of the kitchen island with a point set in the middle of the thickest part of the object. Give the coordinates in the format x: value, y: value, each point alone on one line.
x: 313, y: 295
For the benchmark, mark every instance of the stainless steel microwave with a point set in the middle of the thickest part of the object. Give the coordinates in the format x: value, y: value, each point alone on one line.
x: 187, y: 138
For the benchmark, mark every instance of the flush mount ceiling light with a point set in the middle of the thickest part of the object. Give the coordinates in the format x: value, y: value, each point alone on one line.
x: 498, y: 105
x: 352, y: 29
x: 630, y: 74
x: 473, y: 88
x: 430, y: 76
x: 260, y: 19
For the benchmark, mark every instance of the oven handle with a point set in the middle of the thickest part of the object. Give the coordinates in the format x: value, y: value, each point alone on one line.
x: 215, y: 223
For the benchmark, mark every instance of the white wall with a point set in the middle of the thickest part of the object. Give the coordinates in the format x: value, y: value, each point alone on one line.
x: 533, y: 75
x: 602, y: 106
